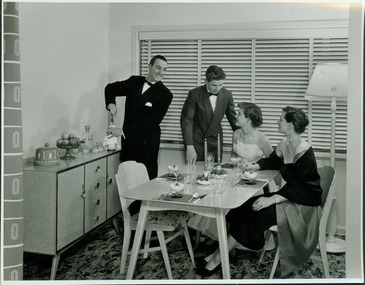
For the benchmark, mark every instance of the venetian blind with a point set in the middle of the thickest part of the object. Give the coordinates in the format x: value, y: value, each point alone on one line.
x: 271, y: 72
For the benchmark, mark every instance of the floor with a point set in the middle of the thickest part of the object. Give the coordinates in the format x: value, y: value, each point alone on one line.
x: 97, y: 257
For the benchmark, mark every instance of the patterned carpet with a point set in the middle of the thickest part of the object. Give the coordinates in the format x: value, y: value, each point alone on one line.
x: 97, y: 257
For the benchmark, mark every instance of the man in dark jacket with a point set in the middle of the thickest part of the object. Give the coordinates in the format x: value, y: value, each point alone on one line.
x: 147, y: 101
x: 203, y: 112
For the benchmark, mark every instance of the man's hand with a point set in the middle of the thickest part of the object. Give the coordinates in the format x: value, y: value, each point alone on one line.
x: 191, y: 154
x: 112, y: 109
x: 115, y: 132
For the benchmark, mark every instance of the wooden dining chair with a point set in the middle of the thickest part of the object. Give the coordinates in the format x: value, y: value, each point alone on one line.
x: 327, y: 174
x: 131, y: 174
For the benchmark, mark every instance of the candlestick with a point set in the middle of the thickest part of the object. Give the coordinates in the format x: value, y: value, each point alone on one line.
x: 219, y: 151
x: 205, y: 155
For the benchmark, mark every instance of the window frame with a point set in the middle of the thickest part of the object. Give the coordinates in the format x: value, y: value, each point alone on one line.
x: 274, y: 30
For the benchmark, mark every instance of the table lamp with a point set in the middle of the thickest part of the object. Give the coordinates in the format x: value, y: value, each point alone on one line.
x: 329, y: 83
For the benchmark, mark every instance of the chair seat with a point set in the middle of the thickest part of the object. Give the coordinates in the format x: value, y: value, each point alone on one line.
x: 169, y: 220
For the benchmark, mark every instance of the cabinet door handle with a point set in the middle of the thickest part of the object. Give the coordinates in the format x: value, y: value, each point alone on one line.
x: 110, y: 181
x: 97, y: 169
x: 83, y: 195
x: 97, y: 202
x: 96, y: 218
x: 97, y: 185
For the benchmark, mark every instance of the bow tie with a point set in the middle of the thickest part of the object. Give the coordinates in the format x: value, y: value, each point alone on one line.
x: 211, y: 94
x: 149, y: 83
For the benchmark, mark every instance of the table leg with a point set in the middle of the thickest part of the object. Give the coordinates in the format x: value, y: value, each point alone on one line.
x: 223, y: 243
x: 137, y: 239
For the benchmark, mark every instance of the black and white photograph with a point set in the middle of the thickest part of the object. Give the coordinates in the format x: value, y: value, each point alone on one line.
x: 182, y: 142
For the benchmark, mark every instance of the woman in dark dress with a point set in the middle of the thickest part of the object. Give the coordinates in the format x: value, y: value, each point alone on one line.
x: 295, y: 208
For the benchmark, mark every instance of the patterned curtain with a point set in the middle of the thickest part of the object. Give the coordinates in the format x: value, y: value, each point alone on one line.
x: 12, y: 147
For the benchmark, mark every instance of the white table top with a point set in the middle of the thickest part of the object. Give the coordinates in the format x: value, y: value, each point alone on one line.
x: 232, y: 197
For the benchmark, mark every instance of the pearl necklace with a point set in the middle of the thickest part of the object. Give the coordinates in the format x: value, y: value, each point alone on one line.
x: 289, y: 140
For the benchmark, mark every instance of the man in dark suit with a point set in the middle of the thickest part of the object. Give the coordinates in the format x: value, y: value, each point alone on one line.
x: 147, y: 101
x: 203, y: 112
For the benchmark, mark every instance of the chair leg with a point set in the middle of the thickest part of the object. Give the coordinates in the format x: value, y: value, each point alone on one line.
x: 267, y: 237
x: 125, y: 249
x: 197, y: 238
x: 187, y: 239
x: 275, y: 264
x: 322, y: 248
x: 147, y: 240
x: 161, y: 239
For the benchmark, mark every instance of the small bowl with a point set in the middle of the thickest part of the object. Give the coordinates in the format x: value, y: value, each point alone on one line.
x: 177, y: 189
x: 250, y: 175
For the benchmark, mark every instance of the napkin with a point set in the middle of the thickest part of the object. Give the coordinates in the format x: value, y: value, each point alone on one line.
x: 259, y: 183
x: 171, y: 177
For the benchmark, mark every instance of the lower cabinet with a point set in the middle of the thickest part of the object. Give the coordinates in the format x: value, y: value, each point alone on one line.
x: 64, y: 202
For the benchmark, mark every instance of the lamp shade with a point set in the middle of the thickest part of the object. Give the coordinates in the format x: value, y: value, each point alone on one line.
x: 328, y: 80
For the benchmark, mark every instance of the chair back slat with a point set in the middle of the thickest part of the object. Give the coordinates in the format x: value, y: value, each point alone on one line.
x: 327, y: 174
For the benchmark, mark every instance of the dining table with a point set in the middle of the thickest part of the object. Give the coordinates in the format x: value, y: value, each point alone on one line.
x: 155, y: 195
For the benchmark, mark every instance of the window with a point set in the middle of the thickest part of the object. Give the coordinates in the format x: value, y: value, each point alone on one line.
x: 268, y: 67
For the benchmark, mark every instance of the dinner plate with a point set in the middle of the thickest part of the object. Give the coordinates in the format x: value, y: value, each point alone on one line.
x: 202, y: 182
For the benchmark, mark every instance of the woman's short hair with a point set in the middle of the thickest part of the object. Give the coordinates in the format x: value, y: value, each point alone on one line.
x: 214, y: 73
x: 153, y: 59
x: 297, y: 117
x: 253, y: 112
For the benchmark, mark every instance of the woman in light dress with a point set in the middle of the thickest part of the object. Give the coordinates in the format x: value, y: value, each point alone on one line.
x: 250, y: 145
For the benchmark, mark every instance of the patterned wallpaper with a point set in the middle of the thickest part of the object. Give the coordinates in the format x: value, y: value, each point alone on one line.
x: 12, y: 148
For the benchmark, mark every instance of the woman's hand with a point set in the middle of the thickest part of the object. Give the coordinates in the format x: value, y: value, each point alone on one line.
x: 263, y: 202
x: 251, y: 166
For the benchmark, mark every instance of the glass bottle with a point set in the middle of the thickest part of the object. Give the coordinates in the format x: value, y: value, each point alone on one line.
x: 87, y: 140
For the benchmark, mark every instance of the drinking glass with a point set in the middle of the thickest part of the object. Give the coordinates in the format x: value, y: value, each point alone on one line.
x: 221, y: 183
x: 188, y: 172
x: 212, y: 181
x: 174, y: 169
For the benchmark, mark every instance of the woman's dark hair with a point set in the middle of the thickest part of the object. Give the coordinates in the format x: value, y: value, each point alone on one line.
x: 153, y: 59
x: 297, y: 117
x: 214, y: 73
x: 253, y: 112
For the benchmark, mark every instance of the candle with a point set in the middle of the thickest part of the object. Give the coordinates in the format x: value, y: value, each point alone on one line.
x: 205, y: 155
x: 219, y: 150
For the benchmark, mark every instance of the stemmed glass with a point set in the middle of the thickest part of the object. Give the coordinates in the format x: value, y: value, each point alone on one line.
x: 210, y: 161
x: 174, y: 169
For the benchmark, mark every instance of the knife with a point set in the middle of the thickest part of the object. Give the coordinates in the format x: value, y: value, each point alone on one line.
x: 200, y: 197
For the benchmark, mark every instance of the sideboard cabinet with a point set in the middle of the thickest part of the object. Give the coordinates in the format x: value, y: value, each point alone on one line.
x: 64, y: 202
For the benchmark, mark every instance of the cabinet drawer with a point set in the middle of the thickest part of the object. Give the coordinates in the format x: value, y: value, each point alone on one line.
x: 95, y: 194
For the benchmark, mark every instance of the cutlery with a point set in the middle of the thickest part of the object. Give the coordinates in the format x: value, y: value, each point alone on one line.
x: 199, y: 198
x: 160, y: 179
x: 195, y: 195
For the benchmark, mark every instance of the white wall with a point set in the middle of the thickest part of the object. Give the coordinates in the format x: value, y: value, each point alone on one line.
x: 64, y: 66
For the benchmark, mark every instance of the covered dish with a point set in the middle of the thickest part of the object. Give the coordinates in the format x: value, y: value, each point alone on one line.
x: 47, y: 155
